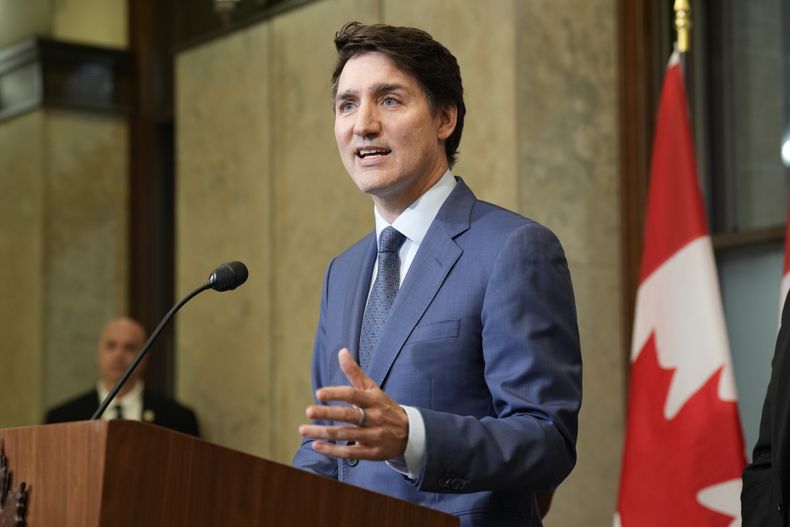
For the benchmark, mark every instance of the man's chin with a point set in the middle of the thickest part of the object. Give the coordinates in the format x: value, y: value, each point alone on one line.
x: 114, y: 380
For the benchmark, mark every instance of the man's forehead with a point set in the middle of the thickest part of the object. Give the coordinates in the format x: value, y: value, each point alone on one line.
x: 376, y: 81
x: 378, y: 68
x: 122, y: 329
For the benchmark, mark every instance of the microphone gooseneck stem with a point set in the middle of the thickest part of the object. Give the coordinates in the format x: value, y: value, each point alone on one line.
x: 142, y: 353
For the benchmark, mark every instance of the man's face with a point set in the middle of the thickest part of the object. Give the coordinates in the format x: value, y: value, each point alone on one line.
x: 119, y: 343
x: 390, y: 141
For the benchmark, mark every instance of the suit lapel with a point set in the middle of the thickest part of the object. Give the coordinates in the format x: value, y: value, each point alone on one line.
x: 436, y: 256
x: 358, y: 285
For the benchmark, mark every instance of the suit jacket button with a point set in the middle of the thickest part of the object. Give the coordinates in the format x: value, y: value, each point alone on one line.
x: 352, y: 462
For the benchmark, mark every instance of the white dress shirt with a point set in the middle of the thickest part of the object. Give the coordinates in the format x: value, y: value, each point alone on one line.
x: 413, y: 223
x: 131, y: 403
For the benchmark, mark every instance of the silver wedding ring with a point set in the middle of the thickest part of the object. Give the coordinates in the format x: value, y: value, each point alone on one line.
x: 362, y: 416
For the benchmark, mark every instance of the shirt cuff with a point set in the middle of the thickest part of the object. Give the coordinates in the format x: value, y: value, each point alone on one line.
x: 410, y: 463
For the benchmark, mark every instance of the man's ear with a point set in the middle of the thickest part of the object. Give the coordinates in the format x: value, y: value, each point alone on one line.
x: 447, y: 117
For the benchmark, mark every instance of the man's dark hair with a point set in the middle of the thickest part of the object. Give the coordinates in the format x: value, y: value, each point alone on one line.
x: 415, y: 52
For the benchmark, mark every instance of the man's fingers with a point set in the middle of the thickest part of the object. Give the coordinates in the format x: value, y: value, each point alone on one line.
x: 347, y: 414
x: 338, y: 433
x: 348, y: 451
x: 346, y: 394
x: 358, y: 378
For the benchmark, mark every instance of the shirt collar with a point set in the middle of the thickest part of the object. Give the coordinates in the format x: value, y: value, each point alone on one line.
x: 417, y: 218
x: 135, y: 393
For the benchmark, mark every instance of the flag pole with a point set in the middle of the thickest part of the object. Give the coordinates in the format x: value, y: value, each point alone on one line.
x: 683, y: 25
x: 682, y: 10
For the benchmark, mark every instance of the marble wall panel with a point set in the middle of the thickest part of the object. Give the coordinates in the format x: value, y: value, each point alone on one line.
x: 85, y: 239
x: 568, y: 178
x: 20, y: 20
x: 224, y: 211
x: 97, y: 22
x: 319, y: 210
x: 482, y: 36
x: 64, y: 240
x: 21, y: 251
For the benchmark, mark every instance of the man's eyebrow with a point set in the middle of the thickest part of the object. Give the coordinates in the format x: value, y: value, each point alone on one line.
x: 376, y: 89
x: 386, y: 87
x: 348, y: 94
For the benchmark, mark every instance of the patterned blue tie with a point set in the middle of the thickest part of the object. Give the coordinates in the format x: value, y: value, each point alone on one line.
x: 385, y: 288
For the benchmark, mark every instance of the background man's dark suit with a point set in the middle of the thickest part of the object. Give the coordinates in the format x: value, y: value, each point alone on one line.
x: 766, y: 480
x: 166, y: 412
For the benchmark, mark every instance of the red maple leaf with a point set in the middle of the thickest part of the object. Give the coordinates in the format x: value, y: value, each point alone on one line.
x: 667, y: 462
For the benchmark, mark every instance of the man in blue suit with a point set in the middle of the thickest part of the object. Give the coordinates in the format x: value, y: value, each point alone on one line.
x: 460, y: 314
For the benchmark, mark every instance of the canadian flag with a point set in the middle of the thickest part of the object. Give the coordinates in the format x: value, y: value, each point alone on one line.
x: 684, y: 448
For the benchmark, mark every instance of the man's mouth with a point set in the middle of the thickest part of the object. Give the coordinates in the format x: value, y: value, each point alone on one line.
x: 364, y: 152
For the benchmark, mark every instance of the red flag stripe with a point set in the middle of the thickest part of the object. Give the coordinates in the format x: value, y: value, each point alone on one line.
x: 683, y: 451
x: 675, y: 215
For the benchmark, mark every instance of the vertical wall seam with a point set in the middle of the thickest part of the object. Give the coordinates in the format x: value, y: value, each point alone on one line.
x: 272, y: 242
x: 520, y: 60
x: 42, y: 321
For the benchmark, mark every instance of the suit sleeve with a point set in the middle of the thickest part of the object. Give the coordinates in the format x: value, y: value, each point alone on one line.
x: 52, y: 417
x: 189, y: 423
x: 530, y: 348
x: 756, y: 492
x: 306, y: 458
x: 758, y: 507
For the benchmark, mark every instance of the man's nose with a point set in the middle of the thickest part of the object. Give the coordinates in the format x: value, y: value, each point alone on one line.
x: 367, y: 123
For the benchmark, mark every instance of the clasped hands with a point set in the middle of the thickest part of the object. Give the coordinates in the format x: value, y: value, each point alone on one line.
x: 384, y: 428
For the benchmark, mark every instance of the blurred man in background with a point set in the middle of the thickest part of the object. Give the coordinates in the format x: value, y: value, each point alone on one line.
x: 118, y: 344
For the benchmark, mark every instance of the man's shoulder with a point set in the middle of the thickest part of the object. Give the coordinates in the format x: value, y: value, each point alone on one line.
x: 357, y: 250
x: 77, y: 408
x: 158, y: 401
x: 170, y: 413
x: 485, y: 219
x: 493, y: 222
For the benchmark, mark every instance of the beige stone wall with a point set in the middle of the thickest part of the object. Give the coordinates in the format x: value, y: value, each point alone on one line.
x: 224, y: 211
x: 21, y: 251
x: 259, y: 179
x: 64, y: 244
x: 20, y: 20
x: 568, y: 180
x: 63, y: 212
x: 482, y: 36
x: 96, y: 22
x: 85, y: 242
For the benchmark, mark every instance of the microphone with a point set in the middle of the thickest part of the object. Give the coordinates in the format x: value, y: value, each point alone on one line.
x: 226, y: 277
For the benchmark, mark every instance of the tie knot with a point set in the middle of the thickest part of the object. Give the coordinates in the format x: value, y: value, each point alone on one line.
x: 390, y: 240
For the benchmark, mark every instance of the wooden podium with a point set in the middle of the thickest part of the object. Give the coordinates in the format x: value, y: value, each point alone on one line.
x: 126, y: 473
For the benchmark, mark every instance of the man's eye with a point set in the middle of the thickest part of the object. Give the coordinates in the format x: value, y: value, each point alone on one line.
x: 345, y: 106
x: 390, y: 101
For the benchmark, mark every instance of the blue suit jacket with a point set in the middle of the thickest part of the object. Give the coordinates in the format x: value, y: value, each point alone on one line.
x: 482, y: 339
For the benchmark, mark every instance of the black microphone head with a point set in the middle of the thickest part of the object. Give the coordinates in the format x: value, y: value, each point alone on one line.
x: 228, y: 276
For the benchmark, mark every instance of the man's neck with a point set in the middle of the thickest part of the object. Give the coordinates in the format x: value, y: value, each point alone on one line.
x: 390, y: 207
x: 128, y: 387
